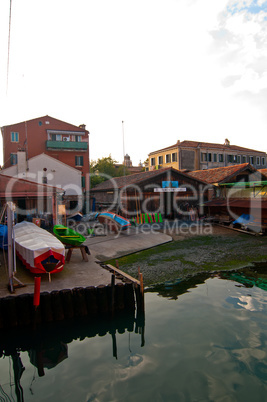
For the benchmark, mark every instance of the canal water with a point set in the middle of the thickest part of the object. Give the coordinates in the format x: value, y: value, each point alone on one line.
x: 202, y: 339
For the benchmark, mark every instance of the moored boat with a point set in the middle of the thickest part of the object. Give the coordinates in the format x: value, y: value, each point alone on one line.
x: 39, y: 250
x: 115, y: 222
x: 68, y: 236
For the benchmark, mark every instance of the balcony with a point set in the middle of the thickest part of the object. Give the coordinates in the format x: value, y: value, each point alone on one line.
x: 67, y: 145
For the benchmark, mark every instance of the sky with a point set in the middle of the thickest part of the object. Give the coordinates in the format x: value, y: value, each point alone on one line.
x: 169, y: 69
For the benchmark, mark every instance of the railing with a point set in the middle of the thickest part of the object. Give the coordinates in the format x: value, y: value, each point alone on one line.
x: 70, y: 145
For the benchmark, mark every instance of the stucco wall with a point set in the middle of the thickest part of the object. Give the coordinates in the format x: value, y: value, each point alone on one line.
x: 58, y: 174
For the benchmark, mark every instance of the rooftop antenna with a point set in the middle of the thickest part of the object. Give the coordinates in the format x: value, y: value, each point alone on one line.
x: 123, y: 147
x: 124, y: 167
x: 8, y: 51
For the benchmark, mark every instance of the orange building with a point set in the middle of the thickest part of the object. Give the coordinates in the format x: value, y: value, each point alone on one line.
x: 63, y: 141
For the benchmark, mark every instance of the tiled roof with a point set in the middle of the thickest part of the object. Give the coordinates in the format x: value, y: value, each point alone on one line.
x: 263, y: 171
x: 206, y: 145
x: 42, y: 118
x: 22, y: 187
x: 218, y: 175
x: 119, y: 182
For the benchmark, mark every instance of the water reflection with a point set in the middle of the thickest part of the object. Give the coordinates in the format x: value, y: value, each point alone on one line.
x: 248, y: 277
x: 47, y: 346
x: 205, y: 341
x: 48, y: 358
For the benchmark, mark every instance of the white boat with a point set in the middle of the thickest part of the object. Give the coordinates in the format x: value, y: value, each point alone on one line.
x: 39, y: 250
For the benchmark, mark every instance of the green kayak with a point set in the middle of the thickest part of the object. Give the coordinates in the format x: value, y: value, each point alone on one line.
x: 68, y: 236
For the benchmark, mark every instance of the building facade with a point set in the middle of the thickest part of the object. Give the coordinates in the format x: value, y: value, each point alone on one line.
x: 44, y: 169
x: 193, y: 155
x: 32, y: 200
x: 46, y: 135
x: 167, y: 191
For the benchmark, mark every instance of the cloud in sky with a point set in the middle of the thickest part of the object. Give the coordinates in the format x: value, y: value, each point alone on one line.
x: 171, y: 69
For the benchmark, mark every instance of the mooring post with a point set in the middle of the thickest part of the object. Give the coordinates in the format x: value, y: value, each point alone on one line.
x: 112, y: 293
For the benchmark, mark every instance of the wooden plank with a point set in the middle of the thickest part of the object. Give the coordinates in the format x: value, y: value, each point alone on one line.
x: 123, y: 274
x: 240, y: 230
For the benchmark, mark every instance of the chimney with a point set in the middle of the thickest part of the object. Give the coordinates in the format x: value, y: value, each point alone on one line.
x: 227, y: 142
x: 82, y: 126
x: 22, y: 163
x: 178, y: 142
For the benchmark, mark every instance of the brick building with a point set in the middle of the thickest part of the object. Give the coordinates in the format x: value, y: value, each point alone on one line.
x: 46, y: 135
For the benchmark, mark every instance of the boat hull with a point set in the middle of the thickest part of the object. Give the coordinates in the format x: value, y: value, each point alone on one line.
x: 38, y: 249
x: 68, y: 236
x: 114, y: 222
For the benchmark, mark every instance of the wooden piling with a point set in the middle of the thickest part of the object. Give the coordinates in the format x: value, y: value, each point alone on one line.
x: 129, y: 301
x: 102, y: 299
x: 2, y: 323
x: 10, y: 311
x: 112, y: 293
x: 91, y: 300
x: 58, y: 312
x: 46, y: 307
x: 24, y: 309
x: 67, y: 303
x: 79, y: 302
x: 119, y: 296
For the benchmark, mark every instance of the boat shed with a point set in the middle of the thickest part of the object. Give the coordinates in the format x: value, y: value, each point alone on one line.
x: 32, y: 200
x: 167, y: 191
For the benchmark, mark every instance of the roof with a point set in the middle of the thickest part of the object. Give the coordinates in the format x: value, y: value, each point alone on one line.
x: 221, y: 174
x: 54, y: 160
x: 14, y: 187
x: 137, y: 178
x: 206, y: 145
x: 71, y: 126
x: 263, y: 172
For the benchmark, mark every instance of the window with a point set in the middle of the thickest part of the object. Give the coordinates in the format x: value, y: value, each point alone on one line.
x: 214, y: 157
x: 251, y: 160
x: 203, y: 157
x: 78, y: 138
x: 238, y: 159
x: 221, y: 159
x: 168, y: 158
x: 13, y: 159
x: 83, y: 181
x: 263, y: 161
x: 235, y: 158
x: 258, y: 160
x: 209, y: 157
x: 78, y: 160
x: 152, y: 161
x: 174, y: 157
x: 14, y: 136
x: 244, y: 159
x: 56, y: 137
x: 229, y: 158
x: 160, y: 160
x: 44, y: 180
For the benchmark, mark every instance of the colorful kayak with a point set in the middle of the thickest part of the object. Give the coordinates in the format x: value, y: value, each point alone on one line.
x: 38, y: 249
x: 68, y: 236
x: 115, y: 222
